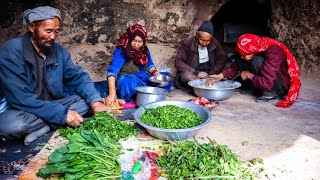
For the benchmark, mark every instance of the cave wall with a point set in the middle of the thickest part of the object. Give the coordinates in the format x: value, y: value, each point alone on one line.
x: 296, y: 23
x: 90, y: 28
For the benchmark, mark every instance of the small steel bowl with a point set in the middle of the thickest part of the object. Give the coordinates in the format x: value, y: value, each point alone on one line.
x: 160, y: 80
x: 174, y: 134
x: 219, y: 91
x: 148, y: 94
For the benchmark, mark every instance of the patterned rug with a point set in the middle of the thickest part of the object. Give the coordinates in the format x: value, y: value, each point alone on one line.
x: 15, y: 156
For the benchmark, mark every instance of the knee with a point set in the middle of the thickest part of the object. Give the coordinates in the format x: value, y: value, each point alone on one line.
x: 12, y: 124
x: 257, y: 62
x: 75, y: 97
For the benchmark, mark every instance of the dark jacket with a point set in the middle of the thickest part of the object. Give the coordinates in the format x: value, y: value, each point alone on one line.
x: 187, y: 58
x: 18, y: 79
x: 274, y: 62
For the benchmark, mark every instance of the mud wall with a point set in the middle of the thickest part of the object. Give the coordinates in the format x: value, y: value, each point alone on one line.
x: 91, y: 27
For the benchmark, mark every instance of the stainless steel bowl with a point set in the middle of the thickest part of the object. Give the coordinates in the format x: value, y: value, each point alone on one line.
x: 160, y: 81
x: 148, y: 94
x: 174, y: 134
x: 219, y: 91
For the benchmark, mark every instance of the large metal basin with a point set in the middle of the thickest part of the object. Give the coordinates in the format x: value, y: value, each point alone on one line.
x: 174, y: 134
x: 219, y: 91
x: 148, y: 94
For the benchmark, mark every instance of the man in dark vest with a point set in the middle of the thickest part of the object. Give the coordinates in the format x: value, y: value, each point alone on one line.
x: 199, y: 56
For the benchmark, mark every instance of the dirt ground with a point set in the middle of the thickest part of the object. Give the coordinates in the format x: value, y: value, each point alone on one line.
x: 288, y: 140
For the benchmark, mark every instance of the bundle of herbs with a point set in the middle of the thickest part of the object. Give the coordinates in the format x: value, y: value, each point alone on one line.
x: 171, y: 117
x: 104, y: 123
x: 89, y: 155
x: 93, y: 150
x: 191, y: 160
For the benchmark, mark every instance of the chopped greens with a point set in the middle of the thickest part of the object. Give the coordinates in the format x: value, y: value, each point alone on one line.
x: 191, y: 160
x: 171, y: 117
x: 104, y: 123
x: 245, y: 143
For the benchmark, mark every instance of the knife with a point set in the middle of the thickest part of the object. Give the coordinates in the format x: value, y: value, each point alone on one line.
x: 88, y: 118
x: 113, y: 112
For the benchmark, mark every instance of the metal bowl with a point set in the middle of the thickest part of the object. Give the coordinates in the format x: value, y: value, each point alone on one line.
x: 148, y: 94
x: 219, y: 91
x: 160, y: 81
x: 174, y: 134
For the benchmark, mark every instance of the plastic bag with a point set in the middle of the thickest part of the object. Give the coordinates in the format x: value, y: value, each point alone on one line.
x: 163, y: 68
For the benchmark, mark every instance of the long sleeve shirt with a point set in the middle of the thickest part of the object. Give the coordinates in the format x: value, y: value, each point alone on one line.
x: 274, y: 62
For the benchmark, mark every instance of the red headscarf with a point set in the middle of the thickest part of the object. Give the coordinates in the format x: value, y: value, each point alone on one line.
x: 250, y: 44
x: 140, y: 57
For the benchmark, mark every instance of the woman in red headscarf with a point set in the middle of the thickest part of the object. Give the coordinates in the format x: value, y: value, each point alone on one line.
x: 269, y: 65
x: 132, y: 63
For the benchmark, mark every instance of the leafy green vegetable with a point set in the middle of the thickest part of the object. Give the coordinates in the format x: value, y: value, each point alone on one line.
x: 92, y: 152
x: 257, y: 160
x: 41, y: 144
x: 245, y: 143
x: 189, y: 159
x: 104, y: 123
x: 93, y: 157
x: 171, y: 117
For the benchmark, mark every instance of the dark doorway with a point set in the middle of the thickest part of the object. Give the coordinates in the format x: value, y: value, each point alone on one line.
x: 237, y: 17
x: 11, y: 9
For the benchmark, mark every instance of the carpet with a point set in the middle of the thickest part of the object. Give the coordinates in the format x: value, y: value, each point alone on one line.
x: 15, y: 156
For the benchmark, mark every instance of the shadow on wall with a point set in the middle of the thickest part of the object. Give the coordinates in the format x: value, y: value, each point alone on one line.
x: 12, y: 9
x: 235, y: 18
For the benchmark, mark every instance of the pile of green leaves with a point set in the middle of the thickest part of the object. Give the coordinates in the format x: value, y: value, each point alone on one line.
x: 105, y: 124
x: 89, y: 155
x: 191, y: 160
x: 171, y: 117
x: 93, y: 150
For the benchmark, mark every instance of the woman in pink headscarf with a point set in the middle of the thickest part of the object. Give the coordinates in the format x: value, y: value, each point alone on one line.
x: 131, y: 65
x: 269, y: 65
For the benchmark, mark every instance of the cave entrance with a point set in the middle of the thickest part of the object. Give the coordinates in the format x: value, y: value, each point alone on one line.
x: 236, y: 17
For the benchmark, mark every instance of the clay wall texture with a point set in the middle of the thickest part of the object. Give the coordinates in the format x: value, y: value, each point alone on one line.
x: 90, y: 28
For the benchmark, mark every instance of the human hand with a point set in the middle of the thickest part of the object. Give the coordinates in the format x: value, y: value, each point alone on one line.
x: 155, y: 72
x: 246, y: 75
x: 202, y: 75
x: 111, y: 100
x: 74, y: 119
x: 214, y: 78
x: 99, y: 107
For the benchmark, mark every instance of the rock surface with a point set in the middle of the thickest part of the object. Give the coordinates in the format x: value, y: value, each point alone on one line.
x: 91, y: 27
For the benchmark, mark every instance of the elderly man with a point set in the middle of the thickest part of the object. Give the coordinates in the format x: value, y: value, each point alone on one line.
x: 199, y: 56
x: 33, y: 71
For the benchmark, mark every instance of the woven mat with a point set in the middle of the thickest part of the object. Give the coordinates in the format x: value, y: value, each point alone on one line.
x: 141, y: 142
x: 15, y: 156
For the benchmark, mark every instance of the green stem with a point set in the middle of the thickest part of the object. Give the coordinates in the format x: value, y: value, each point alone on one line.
x: 104, y: 161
